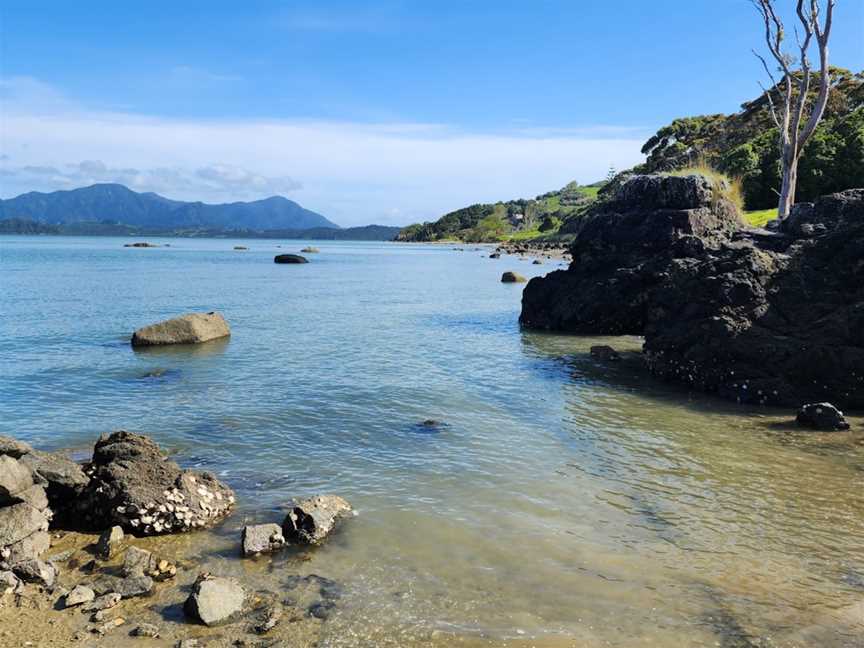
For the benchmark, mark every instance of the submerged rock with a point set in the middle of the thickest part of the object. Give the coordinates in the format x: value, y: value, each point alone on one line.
x: 311, y: 520
x: 290, y: 258
x: 215, y: 601
x: 240, y: 247
x: 512, y: 277
x: 134, y: 485
x: 821, y: 416
x: 192, y: 328
x: 495, y: 255
x: 126, y: 586
x: 142, y: 244
x: 605, y: 352
x: 262, y: 538
x: 755, y: 316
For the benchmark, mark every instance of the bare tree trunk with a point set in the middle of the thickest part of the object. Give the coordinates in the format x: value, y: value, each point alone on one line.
x: 793, y: 138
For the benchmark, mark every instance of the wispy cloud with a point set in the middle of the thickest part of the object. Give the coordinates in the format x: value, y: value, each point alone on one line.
x: 213, y: 181
x: 191, y: 74
x: 351, y: 172
x: 345, y: 19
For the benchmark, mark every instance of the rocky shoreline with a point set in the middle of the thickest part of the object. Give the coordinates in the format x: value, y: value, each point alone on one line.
x: 74, y: 538
x: 772, y: 317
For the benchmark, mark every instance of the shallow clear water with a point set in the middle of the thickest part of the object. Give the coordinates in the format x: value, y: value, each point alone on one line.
x: 562, y: 499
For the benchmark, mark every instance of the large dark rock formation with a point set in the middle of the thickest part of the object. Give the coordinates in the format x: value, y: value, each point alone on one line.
x: 134, y: 485
x: 762, y: 317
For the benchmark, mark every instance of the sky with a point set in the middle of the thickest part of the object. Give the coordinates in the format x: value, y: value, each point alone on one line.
x: 367, y: 112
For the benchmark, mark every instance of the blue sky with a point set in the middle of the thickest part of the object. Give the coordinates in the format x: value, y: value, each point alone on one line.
x: 383, y: 112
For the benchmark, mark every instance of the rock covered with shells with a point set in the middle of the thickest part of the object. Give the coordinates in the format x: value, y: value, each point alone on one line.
x: 134, y: 485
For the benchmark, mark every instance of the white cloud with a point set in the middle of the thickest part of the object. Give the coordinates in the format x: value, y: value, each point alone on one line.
x: 218, y: 180
x: 353, y: 173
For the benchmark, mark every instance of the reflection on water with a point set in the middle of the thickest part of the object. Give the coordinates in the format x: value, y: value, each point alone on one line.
x: 560, y: 500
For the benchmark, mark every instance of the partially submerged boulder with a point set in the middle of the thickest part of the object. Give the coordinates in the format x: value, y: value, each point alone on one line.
x: 192, y: 328
x: 821, y: 416
x: 262, y: 538
x: 215, y: 601
x: 290, y: 258
x: 311, y: 520
x: 310, y: 250
x: 512, y: 277
x: 134, y: 485
x: 605, y: 352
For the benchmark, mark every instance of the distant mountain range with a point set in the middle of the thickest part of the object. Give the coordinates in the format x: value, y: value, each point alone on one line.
x: 117, y: 204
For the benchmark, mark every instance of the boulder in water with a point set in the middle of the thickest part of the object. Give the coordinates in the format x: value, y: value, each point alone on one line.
x: 310, y: 250
x: 821, y: 416
x: 311, y: 520
x: 134, y: 485
x: 262, y: 538
x: 512, y: 277
x: 192, y: 328
x: 142, y: 244
x: 290, y: 258
x: 215, y: 601
x: 605, y: 352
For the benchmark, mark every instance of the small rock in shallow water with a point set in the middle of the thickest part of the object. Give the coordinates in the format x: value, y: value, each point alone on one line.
x: 605, y: 352
x: 215, y: 601
x: 262, y: 538
x: 127, y: 587
x: 311, y: 520
x: 821, y: 416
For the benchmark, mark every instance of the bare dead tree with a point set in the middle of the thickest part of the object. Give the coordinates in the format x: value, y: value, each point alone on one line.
x: 795, y: 119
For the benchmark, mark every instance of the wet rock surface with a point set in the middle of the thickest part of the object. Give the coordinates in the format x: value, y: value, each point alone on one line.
x: 821, y: 416
x: 311, y: 520
x: 290, y: 258
x: 262, y: 538
x: 512, y: 277
x: 192, y: 328
x: 215, y: 601
x: 757, y: 317
x: 134, y: 485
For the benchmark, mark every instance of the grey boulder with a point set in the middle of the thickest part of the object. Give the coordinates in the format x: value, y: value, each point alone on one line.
x: 80, y: 594
x: 311, y: 520
x: 36, y: 571
x: 192, y: 328
x: 215, y: 601
x: 262, y: 538
x: 20, y: 521
x: 15, y: 477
